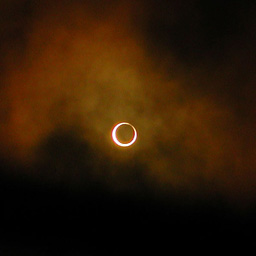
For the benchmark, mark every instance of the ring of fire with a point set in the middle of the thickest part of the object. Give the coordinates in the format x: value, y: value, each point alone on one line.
x: 117, y: 141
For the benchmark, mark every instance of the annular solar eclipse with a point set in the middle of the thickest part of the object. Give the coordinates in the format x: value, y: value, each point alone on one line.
x: 115, y: 139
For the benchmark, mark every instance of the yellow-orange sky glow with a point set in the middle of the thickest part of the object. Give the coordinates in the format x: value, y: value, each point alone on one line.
x: 93, y: 68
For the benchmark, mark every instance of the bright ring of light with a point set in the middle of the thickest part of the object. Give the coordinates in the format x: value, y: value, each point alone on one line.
x: 117, y: 141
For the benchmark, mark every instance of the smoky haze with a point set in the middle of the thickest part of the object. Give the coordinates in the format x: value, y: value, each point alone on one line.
x: 181, y: 72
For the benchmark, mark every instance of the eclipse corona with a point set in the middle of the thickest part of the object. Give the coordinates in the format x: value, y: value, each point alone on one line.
x: 115, y: 139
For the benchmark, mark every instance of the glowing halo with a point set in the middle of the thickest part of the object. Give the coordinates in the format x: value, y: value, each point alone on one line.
x: 117, y: 141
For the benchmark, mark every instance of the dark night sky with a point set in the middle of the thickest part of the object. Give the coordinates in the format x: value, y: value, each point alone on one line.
x: 182, y: 72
